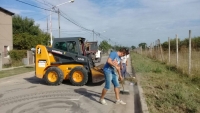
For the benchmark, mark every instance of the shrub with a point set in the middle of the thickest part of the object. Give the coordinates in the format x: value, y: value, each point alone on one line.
x: 17, y: 55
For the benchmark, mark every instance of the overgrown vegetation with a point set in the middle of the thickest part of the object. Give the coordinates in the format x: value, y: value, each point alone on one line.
x: 166, y: 91
x: 195, y: 43
x: 16, y: 57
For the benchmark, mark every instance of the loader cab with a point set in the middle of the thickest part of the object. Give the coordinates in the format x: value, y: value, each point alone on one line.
x: 74, y: 45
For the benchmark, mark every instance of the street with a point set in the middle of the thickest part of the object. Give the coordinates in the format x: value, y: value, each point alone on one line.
x: 27, y: 94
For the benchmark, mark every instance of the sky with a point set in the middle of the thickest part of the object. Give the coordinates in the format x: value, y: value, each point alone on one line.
x: 121, y: 22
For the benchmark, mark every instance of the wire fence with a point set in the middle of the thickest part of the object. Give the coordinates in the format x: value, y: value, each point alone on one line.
x: 185, y: 60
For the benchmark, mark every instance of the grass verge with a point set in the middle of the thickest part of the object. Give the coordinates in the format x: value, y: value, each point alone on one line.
x: 166, y: 91
x: 16, y: 71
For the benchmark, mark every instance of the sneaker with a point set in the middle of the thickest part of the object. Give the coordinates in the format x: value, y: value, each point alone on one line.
x: 102, y: 101
x: 120, y: 102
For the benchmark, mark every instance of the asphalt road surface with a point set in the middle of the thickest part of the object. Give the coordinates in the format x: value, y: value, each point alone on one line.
x: 27, y: 94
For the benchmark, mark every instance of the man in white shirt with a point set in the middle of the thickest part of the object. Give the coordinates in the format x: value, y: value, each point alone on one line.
x: 124, y: 64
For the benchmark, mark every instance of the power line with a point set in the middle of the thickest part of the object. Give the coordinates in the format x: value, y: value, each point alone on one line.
x: 43, y: 3
x: 72, y: 21
x: 34, y: 6
x: 75, y: 23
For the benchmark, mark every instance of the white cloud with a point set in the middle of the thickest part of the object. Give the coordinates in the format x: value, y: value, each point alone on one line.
x: 129, y: 22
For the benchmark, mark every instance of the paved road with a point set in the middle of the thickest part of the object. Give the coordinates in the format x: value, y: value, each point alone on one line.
x: 26, y: 94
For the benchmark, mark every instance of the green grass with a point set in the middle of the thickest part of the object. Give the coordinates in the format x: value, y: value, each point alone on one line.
x: 166, y: 91
x: 16, y: 71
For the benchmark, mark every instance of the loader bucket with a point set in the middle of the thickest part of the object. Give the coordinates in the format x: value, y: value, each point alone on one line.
x: 97, y: 73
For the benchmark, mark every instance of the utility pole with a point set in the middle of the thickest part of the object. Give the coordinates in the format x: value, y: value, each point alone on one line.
x: 93, y: 34
x: 59, y: 21
x: 71, y: 1
x: 50, y: 30
x: 47, y: 25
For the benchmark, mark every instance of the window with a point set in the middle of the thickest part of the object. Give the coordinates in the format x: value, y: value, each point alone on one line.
x: 60, y: 46
x: 72, y: 47
x: 6, y: 49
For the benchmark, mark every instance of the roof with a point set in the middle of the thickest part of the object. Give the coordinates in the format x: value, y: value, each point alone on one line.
x: 6, y: 11
x: 70, y: 38
x: 93, y: 42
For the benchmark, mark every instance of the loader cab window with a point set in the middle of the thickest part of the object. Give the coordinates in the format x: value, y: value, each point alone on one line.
x: 60, y: 46
x: 72, y: 47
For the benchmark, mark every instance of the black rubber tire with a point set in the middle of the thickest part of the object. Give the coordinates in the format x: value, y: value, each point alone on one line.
x: 59, y: 74
x: 85, y: 74
x: 91, y: 62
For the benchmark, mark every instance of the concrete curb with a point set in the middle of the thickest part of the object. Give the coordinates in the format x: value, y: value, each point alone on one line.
x: 142, y: 99
x: 143, y: 103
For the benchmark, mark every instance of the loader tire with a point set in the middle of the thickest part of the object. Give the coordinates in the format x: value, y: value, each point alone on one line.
x: 78, y: 76
x: 91, y: 62
x: 53, y: 76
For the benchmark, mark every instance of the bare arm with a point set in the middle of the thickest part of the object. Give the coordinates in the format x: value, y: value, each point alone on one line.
x: 115, y: 64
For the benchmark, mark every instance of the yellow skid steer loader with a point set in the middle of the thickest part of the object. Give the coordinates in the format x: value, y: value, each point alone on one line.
x: 66, y: 60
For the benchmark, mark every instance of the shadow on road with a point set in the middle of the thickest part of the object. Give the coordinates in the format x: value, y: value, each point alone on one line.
x: 35, y: 80
x: 90, y: 94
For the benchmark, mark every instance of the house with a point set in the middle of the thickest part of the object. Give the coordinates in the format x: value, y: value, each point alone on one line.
x: 6, y: 34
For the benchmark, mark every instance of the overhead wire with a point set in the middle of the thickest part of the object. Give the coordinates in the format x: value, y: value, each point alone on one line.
x: 67, y: 18
x: 35, y: 6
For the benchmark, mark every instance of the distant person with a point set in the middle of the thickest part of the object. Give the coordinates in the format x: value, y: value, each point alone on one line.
x: 112, y: 64
x: 124, y: 64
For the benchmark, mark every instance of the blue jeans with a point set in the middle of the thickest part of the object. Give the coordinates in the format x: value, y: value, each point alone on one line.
x: 110, y: 76
x: 123, y: 71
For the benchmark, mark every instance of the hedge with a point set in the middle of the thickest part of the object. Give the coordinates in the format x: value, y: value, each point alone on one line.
x: 17, y: 55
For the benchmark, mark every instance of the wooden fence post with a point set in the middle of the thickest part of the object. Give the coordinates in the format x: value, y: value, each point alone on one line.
x: 156, y: 49
x: 189, y: 60
x: 160, y: 49
x: 176, y: 50
x: 169, y: 48
x: 151, y: 50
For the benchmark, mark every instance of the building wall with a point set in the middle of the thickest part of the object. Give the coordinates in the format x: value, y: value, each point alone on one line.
x: 6, y: 34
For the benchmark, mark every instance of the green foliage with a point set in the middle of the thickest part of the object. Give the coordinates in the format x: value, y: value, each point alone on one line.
x: 116, y: 47
x: 105, y: 46
x: 133, y: 47
x: 165, y: 90
x: 143, y: 45
x: 17, y: 55
x: 26, y: 35
x: 195, y: 43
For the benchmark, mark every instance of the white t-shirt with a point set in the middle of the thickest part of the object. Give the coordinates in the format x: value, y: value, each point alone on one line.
x: 124, y: 58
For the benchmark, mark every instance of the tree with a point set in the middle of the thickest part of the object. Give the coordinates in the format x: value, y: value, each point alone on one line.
x: 133, y: 47
x: 26, y: 34
x: 105, y: 46
x: 143, y: 45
